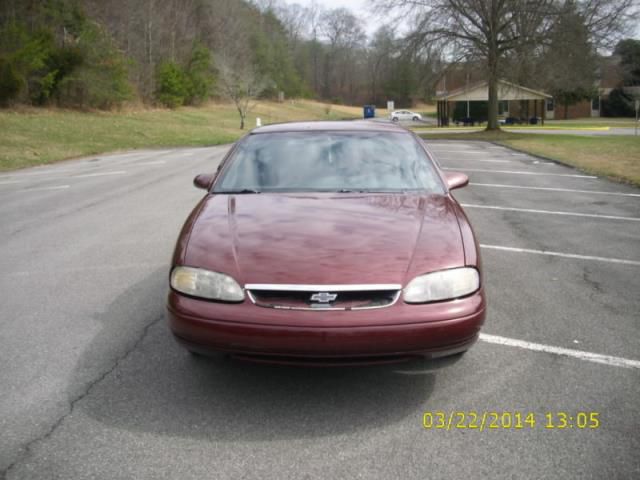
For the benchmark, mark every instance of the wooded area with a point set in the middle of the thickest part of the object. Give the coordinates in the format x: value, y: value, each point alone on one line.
x: 99, y: 54
x: 91, y: 53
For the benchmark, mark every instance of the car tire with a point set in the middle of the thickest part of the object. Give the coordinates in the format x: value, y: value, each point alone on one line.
x: 415, y: 119
x: 394, y: 119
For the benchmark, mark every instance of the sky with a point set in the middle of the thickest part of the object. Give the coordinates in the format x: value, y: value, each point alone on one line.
x: 362, y: 9
x: 358, y: 7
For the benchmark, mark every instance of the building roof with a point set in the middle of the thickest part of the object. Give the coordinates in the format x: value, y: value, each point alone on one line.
x: 506, y: 91
x: 323, y: 126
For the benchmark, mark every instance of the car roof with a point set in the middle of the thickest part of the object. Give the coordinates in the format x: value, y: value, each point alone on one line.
x: 332, y: 126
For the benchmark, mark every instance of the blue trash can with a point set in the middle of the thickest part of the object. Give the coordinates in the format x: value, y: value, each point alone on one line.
x: 369, y: 111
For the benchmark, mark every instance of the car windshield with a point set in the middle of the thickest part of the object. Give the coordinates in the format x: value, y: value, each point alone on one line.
x: 329, y: 161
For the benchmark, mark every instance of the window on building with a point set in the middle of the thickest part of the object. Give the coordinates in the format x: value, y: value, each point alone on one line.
x: 595, y: 103
x: 503, y: 107
x: 550, y: 105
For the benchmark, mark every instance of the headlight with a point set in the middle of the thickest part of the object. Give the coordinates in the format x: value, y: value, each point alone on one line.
x: 205, y: 284
x: 443, y: 285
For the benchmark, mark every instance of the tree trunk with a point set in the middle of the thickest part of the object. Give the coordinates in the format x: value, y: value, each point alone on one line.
x: 492, y: 64
x: 492, y: 114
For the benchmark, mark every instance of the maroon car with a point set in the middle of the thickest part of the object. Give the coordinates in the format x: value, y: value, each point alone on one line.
x: 327, y: 243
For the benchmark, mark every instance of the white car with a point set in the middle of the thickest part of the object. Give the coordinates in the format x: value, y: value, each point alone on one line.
x: 405, y: 115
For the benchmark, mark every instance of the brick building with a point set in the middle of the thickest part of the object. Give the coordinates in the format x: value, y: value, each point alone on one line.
x: 467, y: 76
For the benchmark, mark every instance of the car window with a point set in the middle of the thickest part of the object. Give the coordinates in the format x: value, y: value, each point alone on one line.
x: 329, y: 161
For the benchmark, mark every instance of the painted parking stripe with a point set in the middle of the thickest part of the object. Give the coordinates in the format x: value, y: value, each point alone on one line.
x: 102, y: 174
x: 46, y: 172
x: 551, y: 212
x: 551, y: 189
x: 11, y: 182
x: 479, y: 160
x: 560, y: 254
x: 566, y: 352
x: 42, y: 189
x: 473, y: 152
x: 156, y: 162
x: 452, y: 144
x: 520, y: 172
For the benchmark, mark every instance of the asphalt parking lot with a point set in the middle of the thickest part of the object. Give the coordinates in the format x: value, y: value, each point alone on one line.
x: 94, y: 387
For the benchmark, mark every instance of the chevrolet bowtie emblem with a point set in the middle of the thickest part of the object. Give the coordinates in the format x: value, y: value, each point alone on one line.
x: 324, y: 297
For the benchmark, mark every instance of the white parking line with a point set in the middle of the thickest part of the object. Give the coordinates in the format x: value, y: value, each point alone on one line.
x: 41, y: 189
x: 473, y: 152
x: 476, y: 160
x: 567, y: 352
x: 559, y: 254
x: 47, y: 172
x: 551, y: 189
x: 156, y: 162
x: 551, y: 212
x: 11, y: 182
x: 184, y: 154
x: 451, y: 145
x: 117, y: 172
x: 520, y: 172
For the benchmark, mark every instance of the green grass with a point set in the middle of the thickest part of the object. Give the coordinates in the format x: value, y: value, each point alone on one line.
x: 593, y: 122
x: 600, y: 123
x: 616, y: 157
x: 39, y: 136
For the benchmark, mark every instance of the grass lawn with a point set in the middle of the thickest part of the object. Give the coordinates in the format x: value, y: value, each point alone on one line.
x: 596, y: 123
x: 37, y: 136
x: 617, y: 122
x: 616, y: 157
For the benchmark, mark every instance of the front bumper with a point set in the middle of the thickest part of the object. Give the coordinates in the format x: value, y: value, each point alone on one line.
x: 401, y: 330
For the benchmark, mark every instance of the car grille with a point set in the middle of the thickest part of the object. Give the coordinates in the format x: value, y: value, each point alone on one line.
x: 347, y: 297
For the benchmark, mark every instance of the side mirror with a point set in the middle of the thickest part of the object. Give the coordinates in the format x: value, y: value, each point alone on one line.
x: 456, y: 180
x: 204, y: 180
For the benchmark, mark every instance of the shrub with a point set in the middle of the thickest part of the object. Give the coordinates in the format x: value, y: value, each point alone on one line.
x: 200, y: 75
x: 10, y: 82
x: 619, y: 104
x: 172, y: 85
x: 95, y: 75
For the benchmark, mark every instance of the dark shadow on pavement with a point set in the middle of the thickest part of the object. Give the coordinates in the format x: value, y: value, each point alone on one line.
x: 157, y: 387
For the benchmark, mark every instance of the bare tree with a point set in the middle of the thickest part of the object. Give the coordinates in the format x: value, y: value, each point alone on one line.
x: 344, y: 34
x: 490, y: 29
x: 381, y: 51
x: 241, y: 84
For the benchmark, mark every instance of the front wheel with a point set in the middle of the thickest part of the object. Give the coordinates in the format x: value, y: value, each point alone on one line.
x: 394, y: 119
x: 415, y: 119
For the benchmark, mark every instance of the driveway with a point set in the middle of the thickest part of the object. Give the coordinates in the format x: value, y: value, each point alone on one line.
x: 93, y: 386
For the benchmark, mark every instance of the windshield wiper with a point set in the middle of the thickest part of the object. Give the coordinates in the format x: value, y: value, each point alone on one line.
x: 237, y: 192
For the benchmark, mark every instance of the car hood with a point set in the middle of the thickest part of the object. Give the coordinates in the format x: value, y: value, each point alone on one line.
x: 325, y: 238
